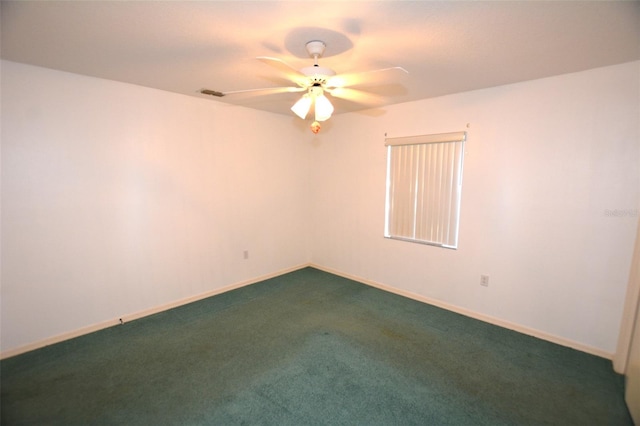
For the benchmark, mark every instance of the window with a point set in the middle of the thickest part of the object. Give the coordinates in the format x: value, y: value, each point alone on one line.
x: 424, y: 182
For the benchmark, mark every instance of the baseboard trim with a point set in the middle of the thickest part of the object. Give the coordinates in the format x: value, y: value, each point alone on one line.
x: 141, y: 314
x: 466, y: 312
x: 472, y: 314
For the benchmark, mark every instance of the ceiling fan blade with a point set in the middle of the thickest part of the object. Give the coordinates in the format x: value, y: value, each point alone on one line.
x: 254, y: 92
x: 364, y: 78
x: 291, y: 73
x: 358, y: 96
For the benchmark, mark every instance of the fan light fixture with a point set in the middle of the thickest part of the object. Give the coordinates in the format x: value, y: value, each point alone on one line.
x: 315, y: 95
x: 301, y: 108
x: 315, y: 82
x: 322, y: 106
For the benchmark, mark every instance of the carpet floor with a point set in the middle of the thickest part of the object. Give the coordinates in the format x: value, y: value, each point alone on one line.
x: 309, y: 348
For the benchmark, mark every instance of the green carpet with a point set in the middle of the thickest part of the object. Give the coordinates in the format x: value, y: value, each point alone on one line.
x: 309, y: 348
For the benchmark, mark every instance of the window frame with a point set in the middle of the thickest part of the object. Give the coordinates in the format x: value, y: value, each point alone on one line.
x: 417, y: 188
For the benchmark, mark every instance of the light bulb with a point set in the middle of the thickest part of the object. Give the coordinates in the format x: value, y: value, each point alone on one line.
x: 301, y: 108
x: 324, y: 109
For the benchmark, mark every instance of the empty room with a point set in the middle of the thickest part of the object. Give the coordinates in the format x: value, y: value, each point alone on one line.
x: 303, y: 212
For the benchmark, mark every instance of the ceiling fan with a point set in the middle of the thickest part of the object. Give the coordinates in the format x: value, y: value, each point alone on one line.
x: 316, y: 81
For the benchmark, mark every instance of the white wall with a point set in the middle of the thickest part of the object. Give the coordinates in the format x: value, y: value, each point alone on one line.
x: 545, y: 160
x: 117, y: 199
x: 627, y: 359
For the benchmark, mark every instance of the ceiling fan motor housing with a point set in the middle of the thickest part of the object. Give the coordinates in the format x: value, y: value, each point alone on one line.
x: 318, y: 74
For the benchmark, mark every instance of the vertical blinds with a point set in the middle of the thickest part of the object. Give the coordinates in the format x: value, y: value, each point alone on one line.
x: 424, y: 180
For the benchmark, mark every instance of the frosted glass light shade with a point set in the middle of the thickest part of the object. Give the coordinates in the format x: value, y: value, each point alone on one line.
x: 301, y: 108
x: 324, y: 109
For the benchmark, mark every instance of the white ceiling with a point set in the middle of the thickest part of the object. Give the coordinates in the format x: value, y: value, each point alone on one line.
x: 447, y: 46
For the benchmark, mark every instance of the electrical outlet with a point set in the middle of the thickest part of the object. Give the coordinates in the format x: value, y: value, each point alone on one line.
x: 246, y: 254
x: 484, y: 280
